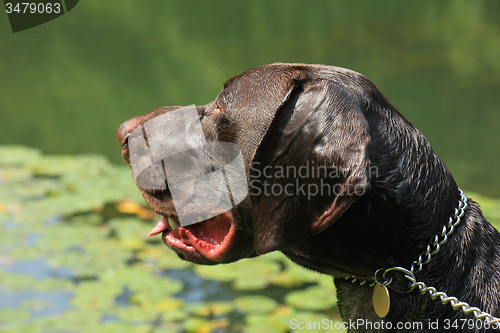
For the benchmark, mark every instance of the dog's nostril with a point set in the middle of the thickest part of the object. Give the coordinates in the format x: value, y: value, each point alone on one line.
x: 125, y: 144
x: 123, y: 133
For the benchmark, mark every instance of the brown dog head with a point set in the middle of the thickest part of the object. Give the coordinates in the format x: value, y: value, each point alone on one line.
x: 303, y: 138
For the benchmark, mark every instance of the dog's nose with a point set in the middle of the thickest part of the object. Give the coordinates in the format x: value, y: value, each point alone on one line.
x: 126, y: 128
x: 123, y: 132
x: 122, y: 135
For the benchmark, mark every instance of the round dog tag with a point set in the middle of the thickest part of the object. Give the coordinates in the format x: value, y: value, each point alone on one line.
x: 381, y: 300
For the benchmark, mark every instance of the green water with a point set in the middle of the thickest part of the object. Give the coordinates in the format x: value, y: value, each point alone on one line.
x: 74, y: 258
x: 65, y: 86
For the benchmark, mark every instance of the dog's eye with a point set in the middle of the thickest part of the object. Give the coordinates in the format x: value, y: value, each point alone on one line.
x: 204, y: 113
x: 215, y: 110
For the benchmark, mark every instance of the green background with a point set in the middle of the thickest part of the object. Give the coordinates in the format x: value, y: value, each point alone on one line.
x: 68, y: 84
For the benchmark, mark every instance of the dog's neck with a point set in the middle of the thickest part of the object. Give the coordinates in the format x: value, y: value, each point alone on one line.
x: 466, y: 267
x: 392, y: 224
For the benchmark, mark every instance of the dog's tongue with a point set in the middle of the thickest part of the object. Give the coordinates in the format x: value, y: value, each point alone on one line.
x: 164, y: 224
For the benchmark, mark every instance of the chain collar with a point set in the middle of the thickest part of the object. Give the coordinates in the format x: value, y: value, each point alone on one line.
x: 383, y: 278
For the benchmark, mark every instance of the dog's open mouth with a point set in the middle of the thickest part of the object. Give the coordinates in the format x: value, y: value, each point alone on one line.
x: 211, y: 238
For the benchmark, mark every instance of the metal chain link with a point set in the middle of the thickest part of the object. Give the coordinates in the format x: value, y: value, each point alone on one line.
x: 492, y: 321
x: 458, y: 305
x: 431, y: 250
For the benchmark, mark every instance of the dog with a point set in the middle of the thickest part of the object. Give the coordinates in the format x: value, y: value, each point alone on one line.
x: 380, y: 197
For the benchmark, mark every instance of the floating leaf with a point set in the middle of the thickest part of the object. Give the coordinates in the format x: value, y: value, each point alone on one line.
x: 208, y: 309
x: 14, y: 315
x: 159, y: 256
x: 326, y: 284
x: 20, y: 327
x: 167, y: 327
x: 92, y: 219
x: 196, y: 325
x: 255, y: 304
x: 294, y: 275
x: 201, y: 325
x: 16, y: 282
x: 14, y: 175
x: 95, y: 296
x: 146, y: 289
x: 173, y: 316
x: 18, y: 155
x: 168, y: 304
x: 131, y: 232
x: 247, y: 274
x: 135, y: 314
x: 46, y: 285
x: 262, y: 323
x: 218, y: 273
x: 114, y: 327
x: 84, y: 319
x: 35, y: 304
x: 26, y: 253
x: 250, y: 282
x: 273, y: 256
x: 312, y: 298
x: 302, y: 274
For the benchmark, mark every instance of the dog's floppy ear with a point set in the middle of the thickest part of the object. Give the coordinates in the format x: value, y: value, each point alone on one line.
x: 310, y: 166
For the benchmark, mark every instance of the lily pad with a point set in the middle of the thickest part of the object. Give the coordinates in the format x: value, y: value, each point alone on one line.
x: 209, y: 309
x: 159, y: 257
x: 84, y: 319
x: 135, y: 314
x: 255, y: 304
x: 196, y: 325
x: 46, y: 285
x: 262, y: 323
x: 294, y: 275
x: 14, y: 315
x: 247, y: 274
x: 251, y: 282
x: 16, y: 282
x: 227, y: 272
x: 201, y: 325
x: 312, y: 298
x: 18, y: 155
x: 168, y: 304
x: 13, y: 175
x: 95, y: 296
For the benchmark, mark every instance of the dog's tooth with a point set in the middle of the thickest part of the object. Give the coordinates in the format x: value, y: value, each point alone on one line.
x: 173, y: 224
x: 162, y: 225
x: 200, y: 218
